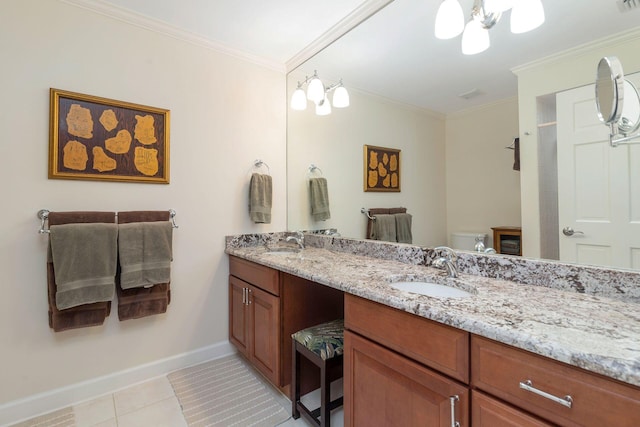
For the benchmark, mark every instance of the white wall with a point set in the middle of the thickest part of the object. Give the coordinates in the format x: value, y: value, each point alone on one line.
x: 335, y: 143
x: 483, y: 190
x: 551, y: 75
x: 225, y: 113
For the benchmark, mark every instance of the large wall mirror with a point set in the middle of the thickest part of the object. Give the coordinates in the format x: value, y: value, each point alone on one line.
x: 453, y: 117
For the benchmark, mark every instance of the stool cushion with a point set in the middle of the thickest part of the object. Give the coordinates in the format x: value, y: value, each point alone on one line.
x: 326, y: 340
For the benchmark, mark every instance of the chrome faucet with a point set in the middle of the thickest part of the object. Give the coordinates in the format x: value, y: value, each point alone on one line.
x: 298, y: 238
x: 448, y: 261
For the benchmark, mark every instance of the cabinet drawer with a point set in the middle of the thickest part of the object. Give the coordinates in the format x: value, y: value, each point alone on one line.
x: 489, y: 412
x: 258, y: 275
x: 440, y: 347
x: 596, y: 401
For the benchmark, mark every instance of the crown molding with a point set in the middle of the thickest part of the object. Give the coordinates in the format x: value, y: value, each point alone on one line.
x: 133, y: 18
x: 580, y: 50
x: 349, y: 22
x: 472, y: 110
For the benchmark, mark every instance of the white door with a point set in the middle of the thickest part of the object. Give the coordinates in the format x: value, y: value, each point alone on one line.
x: 598, y: 186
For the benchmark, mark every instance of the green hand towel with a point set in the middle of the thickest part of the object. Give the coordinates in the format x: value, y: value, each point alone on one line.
x: 145, y: 250
x: 403, y: 228
x: 84, y: 260
x: 384, y: 228
x: 260, y: 189
x: 319, y: 197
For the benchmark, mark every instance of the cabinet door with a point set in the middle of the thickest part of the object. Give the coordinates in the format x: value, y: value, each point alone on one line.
x: 383, y: 388
x: 238, y: 315
x: 489, y: 412
x: 264, y: 324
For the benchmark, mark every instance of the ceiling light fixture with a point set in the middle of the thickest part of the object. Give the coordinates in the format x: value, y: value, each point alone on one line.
x: 526, y: 15
x: 317, y: 92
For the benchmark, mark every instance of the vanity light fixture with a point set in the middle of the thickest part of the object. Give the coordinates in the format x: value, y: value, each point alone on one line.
x: 317, y: 92
x: 526, y: 15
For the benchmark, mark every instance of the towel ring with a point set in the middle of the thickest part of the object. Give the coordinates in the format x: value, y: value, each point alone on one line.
x: 258, y: 163
x: 366, y: 212
x: 313, y: 168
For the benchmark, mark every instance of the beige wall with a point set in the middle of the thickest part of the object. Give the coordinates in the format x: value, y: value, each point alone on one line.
x: 483, y: 190
x: 225, y: 113
x: 334, y: 143
x: 569, y: 70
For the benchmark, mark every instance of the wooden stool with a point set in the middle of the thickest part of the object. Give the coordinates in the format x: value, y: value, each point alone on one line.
x: 323, y: 345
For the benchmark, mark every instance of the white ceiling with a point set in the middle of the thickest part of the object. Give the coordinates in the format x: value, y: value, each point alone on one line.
x: 394, y: 53
x: 275, y: 30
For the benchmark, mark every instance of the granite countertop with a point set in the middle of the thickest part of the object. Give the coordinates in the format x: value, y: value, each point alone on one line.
x: 595, y: 333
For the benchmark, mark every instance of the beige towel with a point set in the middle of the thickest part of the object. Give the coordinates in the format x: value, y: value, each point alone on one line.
x: 144, y: 250
x: 84, y: 259
x: 384, y: 228
x: 403, y: 228
x: 319, y: 197
x: 260, y: 189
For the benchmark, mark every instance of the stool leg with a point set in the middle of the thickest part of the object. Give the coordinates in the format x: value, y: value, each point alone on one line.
x: 295, y: 383
x: 325, y: 398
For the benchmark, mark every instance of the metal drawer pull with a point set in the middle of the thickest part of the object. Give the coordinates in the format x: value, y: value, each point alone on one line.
x: 453, y: 399
x: 565, y: 401
x: 244, y: 296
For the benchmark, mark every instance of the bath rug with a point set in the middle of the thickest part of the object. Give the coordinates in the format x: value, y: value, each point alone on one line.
x: 226, y: 392
x: 62, y: 418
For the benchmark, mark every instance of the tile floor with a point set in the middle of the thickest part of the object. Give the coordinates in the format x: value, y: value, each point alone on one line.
x: 154, y: 404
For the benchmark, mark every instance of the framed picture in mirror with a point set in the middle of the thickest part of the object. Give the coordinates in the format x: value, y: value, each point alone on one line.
x: 381, y: 169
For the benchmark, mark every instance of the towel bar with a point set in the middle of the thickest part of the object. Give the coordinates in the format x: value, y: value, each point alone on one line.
x: 43, y: 215
x: 366, y: 212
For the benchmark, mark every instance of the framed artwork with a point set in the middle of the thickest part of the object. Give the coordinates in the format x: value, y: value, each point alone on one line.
x: 102, y: 139
x: 381, y: 169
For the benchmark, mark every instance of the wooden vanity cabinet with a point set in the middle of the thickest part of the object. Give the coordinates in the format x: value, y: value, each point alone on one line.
x: 499, y: 370
x: 254, y: 316
x: 388, y: 380
x: 266, y: 306
x: 489, y: 412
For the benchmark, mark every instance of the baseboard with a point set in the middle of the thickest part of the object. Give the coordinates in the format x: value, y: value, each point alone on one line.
x: 42, y: 403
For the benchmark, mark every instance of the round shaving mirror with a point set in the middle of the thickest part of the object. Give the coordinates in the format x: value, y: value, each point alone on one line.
x: 617, y: 99
x: 609, y: 90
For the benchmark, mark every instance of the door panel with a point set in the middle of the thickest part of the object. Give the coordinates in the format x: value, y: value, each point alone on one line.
x: 598, y: 186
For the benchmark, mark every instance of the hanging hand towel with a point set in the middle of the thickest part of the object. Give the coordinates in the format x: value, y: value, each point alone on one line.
x: 403, y: 228
x: 319, y: 196
x: 260, y: 189
x: 84, y: 259
x: 145, y: 253
x: 384, y: 228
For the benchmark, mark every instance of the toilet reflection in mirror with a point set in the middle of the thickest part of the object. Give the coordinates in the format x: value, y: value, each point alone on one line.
x: 617, y: 101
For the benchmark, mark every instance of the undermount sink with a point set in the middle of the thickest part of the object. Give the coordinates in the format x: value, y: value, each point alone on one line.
x: 281, y: 250
x: 431, y: 289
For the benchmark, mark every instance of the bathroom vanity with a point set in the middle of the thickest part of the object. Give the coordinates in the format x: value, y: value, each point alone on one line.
x: 507, y: 354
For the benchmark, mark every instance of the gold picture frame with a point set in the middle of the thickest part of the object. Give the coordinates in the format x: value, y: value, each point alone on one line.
x: 94, y: 138
x: 381, y: 169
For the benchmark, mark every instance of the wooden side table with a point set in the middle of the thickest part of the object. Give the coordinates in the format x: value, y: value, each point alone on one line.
x: 507, y: 240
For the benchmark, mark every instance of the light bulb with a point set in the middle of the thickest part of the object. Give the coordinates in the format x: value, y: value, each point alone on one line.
x: 526, y: 15
x: 315, y: 91
x: 340, y: 97
x: 449, y: 20
x: 495, y: 6
x: 298, y: 100
x: 475, y: 38
x: 323, y: 108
